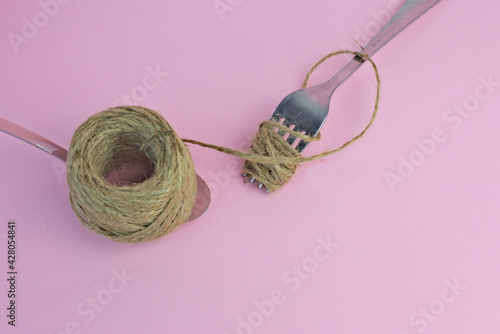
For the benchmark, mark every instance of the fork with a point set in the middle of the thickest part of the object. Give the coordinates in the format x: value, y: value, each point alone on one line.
x: 305, y: 110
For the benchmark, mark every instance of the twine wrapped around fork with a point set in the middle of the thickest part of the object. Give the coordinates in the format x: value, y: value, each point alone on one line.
x: 268, y: 143
x: 270, y: 159
x: 155, y: 207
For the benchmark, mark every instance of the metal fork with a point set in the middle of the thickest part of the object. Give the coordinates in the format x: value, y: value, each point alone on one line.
x: 305, y: 110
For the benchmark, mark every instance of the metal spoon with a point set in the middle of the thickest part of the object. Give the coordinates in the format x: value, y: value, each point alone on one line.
x: 202, y: 200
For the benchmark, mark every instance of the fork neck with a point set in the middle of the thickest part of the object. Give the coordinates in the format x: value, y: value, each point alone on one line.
x: 322, y: 93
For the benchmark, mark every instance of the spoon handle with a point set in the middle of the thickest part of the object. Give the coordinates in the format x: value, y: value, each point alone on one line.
x: 32, y: 138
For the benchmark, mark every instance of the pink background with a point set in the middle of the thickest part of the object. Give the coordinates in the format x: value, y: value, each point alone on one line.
x: 398, y: 248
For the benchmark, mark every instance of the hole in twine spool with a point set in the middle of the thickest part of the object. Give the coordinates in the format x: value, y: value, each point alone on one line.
x: 137, y: 209
x: 130, y: 172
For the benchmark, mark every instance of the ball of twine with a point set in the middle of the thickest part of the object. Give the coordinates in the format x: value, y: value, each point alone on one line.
x: 136, y: 212
x: 148, y: 210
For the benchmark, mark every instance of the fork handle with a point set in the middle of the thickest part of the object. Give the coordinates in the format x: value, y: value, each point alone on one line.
x: 408, y: 12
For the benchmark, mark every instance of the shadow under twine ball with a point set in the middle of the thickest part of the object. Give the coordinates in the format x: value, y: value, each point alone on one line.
x: 135, y: 212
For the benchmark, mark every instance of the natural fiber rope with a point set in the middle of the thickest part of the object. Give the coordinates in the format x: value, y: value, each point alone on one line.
x: 131, y: 213
x: 149, y: 210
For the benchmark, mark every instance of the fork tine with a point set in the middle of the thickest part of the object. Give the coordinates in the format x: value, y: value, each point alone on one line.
x: 282, y: 133
x: 291, y: 139
x: 248, y: 178
x: 280, y: 120
x: 301, y: 145
x: 295, y: 143
x: 260, y: 185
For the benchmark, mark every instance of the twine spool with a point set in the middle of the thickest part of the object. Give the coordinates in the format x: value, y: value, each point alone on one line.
x: 148, y: 210
x: 137, y: 212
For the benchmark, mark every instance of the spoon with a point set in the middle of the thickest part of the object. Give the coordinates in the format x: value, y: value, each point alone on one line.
x: 127, y: 172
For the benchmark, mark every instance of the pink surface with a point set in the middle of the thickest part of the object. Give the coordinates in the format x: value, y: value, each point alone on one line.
x: 397, y: 234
